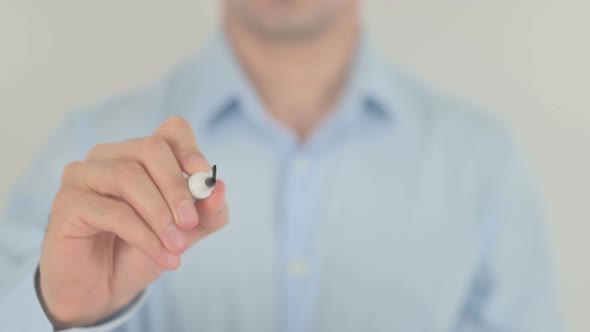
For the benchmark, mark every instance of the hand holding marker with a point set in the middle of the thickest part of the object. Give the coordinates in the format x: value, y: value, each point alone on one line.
x: 128, y: 203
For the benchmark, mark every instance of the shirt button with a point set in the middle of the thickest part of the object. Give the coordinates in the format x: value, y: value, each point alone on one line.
x: 298, y: 268
x: 300, y: 164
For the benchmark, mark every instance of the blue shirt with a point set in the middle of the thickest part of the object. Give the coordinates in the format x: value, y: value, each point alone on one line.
x: 406, y: 210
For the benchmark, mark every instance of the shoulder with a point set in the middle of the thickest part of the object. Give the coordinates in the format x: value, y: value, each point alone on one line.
x: 453, y: 124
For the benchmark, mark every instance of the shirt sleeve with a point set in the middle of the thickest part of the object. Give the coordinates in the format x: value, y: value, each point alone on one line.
x: 20, y: 309
x: 515, y: 289
x: 22, y: 228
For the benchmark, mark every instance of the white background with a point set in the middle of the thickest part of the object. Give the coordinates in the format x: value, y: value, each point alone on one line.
x: 528, y: 60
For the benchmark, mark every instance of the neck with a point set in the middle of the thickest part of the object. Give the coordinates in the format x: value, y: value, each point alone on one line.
x: 298, y: 81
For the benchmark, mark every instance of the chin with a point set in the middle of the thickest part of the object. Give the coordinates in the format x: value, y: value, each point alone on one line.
x: 287, y: 19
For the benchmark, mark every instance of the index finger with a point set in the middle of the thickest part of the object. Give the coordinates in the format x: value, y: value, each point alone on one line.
x: 179, y: 135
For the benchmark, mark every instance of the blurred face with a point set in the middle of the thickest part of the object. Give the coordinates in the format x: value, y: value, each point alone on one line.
x: 286, y: 19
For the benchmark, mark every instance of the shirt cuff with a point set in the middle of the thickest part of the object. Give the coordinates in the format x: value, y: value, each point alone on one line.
x: 118, y: 318
x: 20, y: 309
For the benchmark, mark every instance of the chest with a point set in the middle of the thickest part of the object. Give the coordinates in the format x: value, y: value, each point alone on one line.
x: 395, y: 242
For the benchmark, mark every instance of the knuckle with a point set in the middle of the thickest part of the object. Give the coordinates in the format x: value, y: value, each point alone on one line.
x: 70, y: 169
x: 151, y: 144
x: 95, y: 151
x: 129, y: 172
x: 144, y: 237
x: 176, y: 121
x: 64, y: 194
x: 128, y: 221
x: 95, y: 210
x: 119, y: 212
x: 162, y: 215
x: 63, y: 201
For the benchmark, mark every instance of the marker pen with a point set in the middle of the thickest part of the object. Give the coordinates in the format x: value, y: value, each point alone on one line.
x: 201, y: 184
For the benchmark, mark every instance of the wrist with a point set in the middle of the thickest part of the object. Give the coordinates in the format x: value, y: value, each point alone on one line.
x: 57, y: 325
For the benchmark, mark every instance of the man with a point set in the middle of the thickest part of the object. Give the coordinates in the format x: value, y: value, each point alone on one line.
x: 360, y: 200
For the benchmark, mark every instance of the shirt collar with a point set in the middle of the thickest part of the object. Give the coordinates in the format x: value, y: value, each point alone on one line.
x: 220, y: 82
x: 370, y: 81
x: 215, y: 84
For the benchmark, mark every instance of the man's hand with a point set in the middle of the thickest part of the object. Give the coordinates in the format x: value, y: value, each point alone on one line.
x: 122, y: 217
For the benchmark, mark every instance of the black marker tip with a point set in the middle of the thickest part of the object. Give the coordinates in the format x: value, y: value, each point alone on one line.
x: 210, y: 182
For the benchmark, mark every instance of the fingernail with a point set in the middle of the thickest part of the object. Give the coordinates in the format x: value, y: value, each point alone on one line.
x: 170, y: 259
x: 177, y: 238
x: 187, y: 213
x: 197, y: 161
